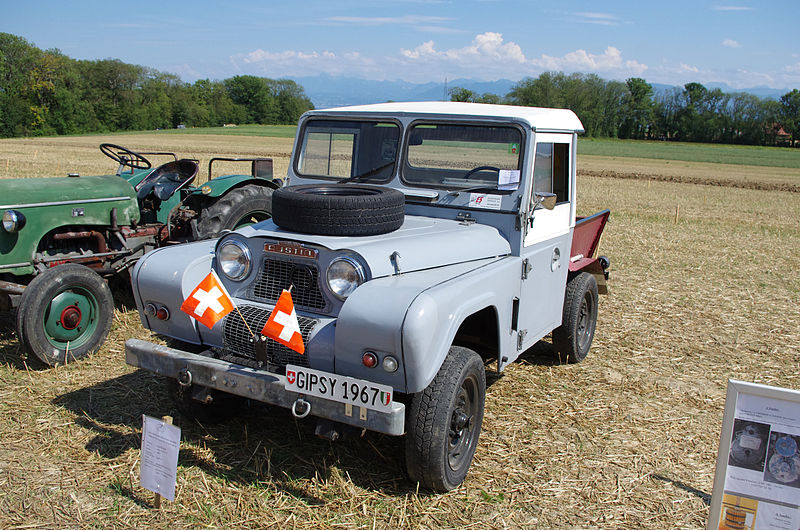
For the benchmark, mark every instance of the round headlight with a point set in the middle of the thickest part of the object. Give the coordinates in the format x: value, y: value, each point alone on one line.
x: 13, y: 221
x: 233, y: 258
x: 344, y: 275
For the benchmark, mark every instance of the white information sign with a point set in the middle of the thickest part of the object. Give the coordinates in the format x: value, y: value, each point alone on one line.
x: 757, y: 481
x: 160, y: 444
x: 508, y: 179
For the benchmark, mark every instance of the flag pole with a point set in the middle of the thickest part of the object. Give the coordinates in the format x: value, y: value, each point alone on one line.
x: 245, y: 322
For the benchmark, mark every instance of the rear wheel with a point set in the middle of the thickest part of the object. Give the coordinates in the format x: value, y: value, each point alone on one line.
x: 573, y: 338
x: 444, y: 422
x: 64, y: 314
x: 239, y: 207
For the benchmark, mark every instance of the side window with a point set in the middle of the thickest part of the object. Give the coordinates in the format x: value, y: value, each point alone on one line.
x: 551, y: 169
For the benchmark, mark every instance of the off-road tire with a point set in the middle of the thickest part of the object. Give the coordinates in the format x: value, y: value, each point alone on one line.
x: 573, y: 338
x: 339, y: 209
x: 238, y: 207
x: 438, y: 453
x: 34, y: 314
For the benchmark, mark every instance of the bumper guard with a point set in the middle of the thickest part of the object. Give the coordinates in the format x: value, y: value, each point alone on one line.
x: 255, y: 384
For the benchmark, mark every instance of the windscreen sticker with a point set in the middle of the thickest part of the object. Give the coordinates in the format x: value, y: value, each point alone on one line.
x: 508, y: 179
x: 513, y: 149
x: 484, y: 200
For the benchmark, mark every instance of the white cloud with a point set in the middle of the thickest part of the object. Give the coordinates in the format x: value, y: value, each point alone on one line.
x: 486, y: 47
x: 580, y: 61
x: 732, y: 8
x: 730, y: 43
x: 381, y: 21
x: 489, y: 56
x: 603, y: 19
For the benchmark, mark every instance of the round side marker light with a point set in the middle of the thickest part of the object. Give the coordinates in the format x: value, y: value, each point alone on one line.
x: 369, y: 359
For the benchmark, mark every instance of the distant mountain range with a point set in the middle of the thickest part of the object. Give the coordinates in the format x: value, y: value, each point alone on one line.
x: 331, y: 91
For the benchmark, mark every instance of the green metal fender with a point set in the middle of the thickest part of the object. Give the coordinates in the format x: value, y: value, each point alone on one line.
x: 220, y: 185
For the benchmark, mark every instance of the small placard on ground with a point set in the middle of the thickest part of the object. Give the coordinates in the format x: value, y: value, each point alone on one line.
x: 160, y: 444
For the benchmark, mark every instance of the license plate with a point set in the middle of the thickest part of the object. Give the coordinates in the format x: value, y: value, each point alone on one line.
x: 339, y: 388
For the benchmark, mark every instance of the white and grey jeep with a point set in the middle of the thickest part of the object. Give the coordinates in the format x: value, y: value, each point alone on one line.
x: 420, y: 241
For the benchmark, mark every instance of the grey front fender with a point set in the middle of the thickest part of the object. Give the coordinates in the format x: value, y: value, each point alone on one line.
x: 165, y: 277
x: 415, y: 317
x: 436, y: 315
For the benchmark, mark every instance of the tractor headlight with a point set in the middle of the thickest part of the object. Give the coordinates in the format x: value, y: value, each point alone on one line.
x: 13, y: 221
x: 344, y: 275
x: 233, y: 258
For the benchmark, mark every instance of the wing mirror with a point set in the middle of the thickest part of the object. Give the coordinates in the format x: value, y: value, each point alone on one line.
x: 544, y: 199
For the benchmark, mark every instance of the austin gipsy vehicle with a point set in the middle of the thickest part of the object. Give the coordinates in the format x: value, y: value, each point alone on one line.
x: 419, y: 242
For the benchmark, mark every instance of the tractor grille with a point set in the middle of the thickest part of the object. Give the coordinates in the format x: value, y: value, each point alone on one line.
x: 277, y: 275
x: 239, y: 347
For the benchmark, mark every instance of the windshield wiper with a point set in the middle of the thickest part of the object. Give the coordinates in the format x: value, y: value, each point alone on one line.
x: 367, y: 174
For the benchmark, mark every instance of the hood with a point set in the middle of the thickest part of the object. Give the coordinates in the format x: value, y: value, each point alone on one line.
x: 421, y: 243
x: 19, y: 193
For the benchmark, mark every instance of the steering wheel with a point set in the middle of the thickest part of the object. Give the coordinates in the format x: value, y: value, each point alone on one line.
x: 474, y: 170
x: 118, y: 154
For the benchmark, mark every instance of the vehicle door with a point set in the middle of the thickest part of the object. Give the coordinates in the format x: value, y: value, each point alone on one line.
x: 547, y: 239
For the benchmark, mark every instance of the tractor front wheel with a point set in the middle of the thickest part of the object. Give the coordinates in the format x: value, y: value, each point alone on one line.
x: 64, y: 314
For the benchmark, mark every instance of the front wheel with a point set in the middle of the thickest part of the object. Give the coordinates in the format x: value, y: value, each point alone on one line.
x: 444, y: 422
x: 64, y: 314
x: 573, y: 338
x: 237, y: 208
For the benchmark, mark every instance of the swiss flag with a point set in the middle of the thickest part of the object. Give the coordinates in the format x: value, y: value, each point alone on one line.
x: 209, y: 301
x: 282, y: 324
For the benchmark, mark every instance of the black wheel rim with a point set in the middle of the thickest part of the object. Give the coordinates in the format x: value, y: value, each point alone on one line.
x: 462, y: 429
x: 585, y: 328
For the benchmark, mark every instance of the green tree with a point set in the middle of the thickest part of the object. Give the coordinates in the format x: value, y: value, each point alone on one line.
x: 790, y: 113
x: 638, y: 111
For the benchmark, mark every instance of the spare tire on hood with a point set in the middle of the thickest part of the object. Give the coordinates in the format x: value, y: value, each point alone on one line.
x: 338, y: 209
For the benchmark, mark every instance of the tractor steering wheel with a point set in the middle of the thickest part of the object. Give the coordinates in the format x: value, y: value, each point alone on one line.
x: 125, y: 157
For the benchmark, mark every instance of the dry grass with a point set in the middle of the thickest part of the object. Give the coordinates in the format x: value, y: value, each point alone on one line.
x: 626, y: 439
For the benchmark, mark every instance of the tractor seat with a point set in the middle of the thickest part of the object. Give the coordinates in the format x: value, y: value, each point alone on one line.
x: 168, y: 178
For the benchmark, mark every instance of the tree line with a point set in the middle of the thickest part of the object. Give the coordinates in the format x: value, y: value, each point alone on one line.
x: 43, y: 92
x: 692, y: 113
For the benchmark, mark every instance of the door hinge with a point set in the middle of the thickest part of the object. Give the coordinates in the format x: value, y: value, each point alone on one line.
x: 526, y: 268
x: 521, y: 338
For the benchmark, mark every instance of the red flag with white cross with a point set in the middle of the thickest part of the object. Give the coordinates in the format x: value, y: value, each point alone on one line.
x: 209, y: 302
x: 282, y: 325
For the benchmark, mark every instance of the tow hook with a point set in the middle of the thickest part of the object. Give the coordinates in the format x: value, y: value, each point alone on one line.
x: 184, y: 377
x: 301, y: 408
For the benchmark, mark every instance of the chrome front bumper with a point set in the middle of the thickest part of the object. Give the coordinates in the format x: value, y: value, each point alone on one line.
x: 255, y: 384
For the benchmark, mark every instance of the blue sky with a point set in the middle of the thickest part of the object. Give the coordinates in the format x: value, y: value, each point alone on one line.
x: 743, y: 44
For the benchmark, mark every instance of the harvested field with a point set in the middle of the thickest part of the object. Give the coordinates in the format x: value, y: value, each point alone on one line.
x: 704, y: 287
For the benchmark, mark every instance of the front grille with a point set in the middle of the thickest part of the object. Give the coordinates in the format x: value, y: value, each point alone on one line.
x: 238, y: 344
x: 277, y: 275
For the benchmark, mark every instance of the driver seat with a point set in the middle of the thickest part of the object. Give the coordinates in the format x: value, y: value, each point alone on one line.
x: 168, y: 178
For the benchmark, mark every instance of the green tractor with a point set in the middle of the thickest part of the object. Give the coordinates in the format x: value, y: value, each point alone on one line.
x: 62, y: 236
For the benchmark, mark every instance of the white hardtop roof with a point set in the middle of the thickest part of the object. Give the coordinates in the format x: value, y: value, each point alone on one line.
x: 537, y: 117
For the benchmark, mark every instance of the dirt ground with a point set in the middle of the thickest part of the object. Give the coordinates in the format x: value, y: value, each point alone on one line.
x: 704, y: 288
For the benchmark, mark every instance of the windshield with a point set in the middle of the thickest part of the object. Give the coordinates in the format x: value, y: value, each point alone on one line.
x: 349, y: 150
x: 460, y: 156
